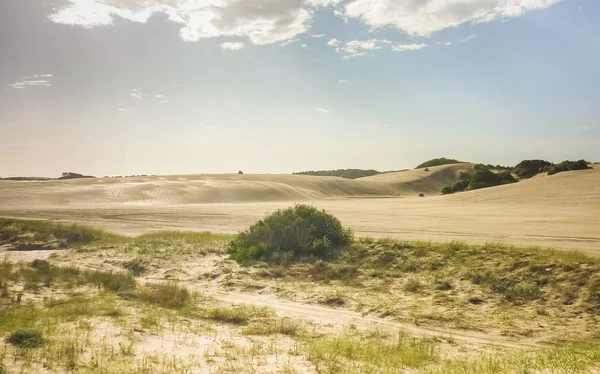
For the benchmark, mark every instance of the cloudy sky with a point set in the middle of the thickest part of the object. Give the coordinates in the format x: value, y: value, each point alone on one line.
x: 112, y: 87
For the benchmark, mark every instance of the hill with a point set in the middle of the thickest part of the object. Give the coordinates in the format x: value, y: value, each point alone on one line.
x: 342, y: 173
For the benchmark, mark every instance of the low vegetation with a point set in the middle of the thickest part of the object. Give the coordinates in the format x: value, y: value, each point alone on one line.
x: 298, y: 233
x: 529, y: 168
x: 438, y: 162
x: 481, y: 177
x: 89, y: 321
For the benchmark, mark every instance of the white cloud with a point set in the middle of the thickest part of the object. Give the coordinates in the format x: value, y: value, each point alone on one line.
x: 343, y: 81
x: 333, y: 43
x: 448, y: 44
x: 424, y: 17
x: 232, y: 46
x: 357, y: 48
x: 380, y: 125
x: 322, y: 110
x: 317, y: 35
x: 323, y: 2
x: 163, y: 101
x: 123, y: 110
x: 470, y: 37
x: 408, y: 47
x: 289, y: 42
x: 30, y: 83
x: 159, y: 96
x: 305, y: 46
x: 583, y: 128
x: 136, y: 93
x: 261, y: 21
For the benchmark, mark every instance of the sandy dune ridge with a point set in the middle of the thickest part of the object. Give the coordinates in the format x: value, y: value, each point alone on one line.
x: 561, y: 211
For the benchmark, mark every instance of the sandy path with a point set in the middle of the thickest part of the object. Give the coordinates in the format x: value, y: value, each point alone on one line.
x: 341, y: 318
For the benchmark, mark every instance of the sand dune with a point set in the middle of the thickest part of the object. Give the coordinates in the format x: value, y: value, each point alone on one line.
x: 561, y: 211
x: 223, y: 188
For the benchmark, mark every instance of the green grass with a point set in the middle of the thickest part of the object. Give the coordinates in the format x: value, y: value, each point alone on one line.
x: 581, y: 356
x: 238, y: 314
x: 166, y: 295
x: 346, y: 354
x: 45, y: 231
x: 283, y: 326
x: 39, y: 273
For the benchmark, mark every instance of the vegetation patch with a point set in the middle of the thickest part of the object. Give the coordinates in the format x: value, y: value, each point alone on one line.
x: 438, y: 162
x: 238, y: 314
x: 481, y: 177
x: 40, y: 273
x: 299, y: 233
x: 166, y: 295
x: 26, y: 338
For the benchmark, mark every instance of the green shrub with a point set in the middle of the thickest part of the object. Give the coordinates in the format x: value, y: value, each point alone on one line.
x: 528, y: 168
x: 301, y: 232
x: 483, y: 178
x: 438, y: 162
x: 23, y: 338
x: 568, y: 166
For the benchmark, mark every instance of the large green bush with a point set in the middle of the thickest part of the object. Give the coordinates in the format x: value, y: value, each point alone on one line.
x: 528, y: 168
x: 438, y: 162
x: 568, y: 166
x: 484, y: 178
x: 300, y: 232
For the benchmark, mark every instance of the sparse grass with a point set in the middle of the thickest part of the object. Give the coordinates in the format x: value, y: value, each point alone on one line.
x: 345, y: 354
x: 39, y: 273
x: 581, y: 356
x: 238, y: 314
x: 44, y: 231
x: 166, y: 295
x: 283, y: 326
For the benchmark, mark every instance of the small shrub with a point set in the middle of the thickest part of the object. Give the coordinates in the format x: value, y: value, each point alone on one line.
x: 528, y: 168
x: 335, y: 298
x: 413, y: 285
x: 26, y: 338
x: 301, y: 232
x: 114, y: 282
x: 136, y: 266
x: 443, y: 286
x: 167, y: 295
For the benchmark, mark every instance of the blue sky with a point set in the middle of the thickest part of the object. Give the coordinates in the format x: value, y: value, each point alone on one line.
x: 113, y: 87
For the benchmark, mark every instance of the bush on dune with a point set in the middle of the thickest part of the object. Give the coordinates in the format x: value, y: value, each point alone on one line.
x: 438, y: 162
x: 568, y: 166
x: 300, y: 232
x: 528, y: 168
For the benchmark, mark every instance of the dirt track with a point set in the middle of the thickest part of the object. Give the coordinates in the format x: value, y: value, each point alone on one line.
x: 561, y: 211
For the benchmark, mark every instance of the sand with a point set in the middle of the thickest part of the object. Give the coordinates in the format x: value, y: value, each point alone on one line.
x: 560, y: 211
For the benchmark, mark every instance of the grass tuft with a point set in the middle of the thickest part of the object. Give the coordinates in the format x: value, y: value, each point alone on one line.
x: 167, y: 295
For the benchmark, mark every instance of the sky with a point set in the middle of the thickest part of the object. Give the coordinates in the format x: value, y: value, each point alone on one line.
x: 128, y: 87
